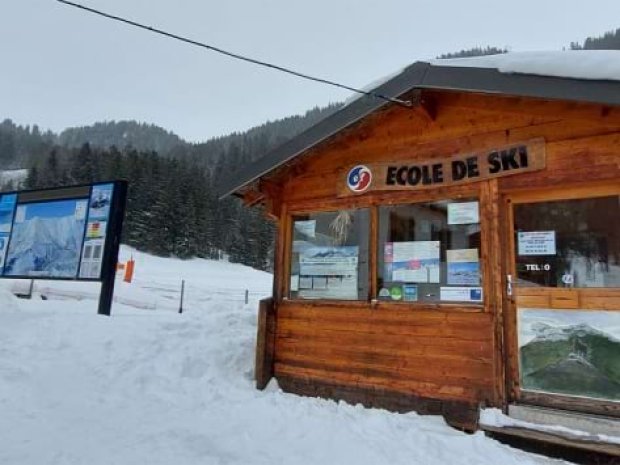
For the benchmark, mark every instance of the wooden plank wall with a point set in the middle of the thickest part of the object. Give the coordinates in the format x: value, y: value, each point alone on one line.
x: 403, y: 357
x: 381, y: 352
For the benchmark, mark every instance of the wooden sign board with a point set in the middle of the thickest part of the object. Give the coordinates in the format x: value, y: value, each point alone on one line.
x: 440, y: 172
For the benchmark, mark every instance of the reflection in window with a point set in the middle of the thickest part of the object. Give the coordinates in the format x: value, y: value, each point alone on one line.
x: 330, y: 256
x: 568, y: 243
x: 430, y: 252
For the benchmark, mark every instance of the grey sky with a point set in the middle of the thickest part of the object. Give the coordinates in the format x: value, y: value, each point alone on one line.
x: 61, y: 67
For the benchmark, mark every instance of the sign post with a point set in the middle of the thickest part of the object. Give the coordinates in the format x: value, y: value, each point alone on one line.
x: 108, y: 271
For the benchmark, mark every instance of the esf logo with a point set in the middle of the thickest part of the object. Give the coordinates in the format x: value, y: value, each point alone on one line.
x: 359, y: 178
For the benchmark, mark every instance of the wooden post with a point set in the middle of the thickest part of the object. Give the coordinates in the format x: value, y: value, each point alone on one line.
x: 182, y: 293
x: 247, y: 296
x: 263, y: 369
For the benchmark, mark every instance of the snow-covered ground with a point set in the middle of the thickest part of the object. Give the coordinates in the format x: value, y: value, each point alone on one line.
x: 151, y: 386
x: 15, y: 176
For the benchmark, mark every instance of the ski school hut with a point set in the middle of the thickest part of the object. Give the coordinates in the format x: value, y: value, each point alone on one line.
x: 456, y: 252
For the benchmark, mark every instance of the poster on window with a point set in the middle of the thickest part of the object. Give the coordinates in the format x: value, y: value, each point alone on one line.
x: 328, y: 272
x: 412, y: 261
x: 568, y: 352
x: 328, y: 261
x: 463, y: 267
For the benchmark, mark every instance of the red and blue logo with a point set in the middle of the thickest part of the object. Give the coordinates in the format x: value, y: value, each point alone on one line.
x: 359, y: 178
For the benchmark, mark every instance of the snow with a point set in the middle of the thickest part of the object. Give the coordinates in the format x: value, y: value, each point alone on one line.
x: 158, y: 387
x: 579, y: 64
x: 495, y: 417
x: 15, y: 176
x: 372, y: 86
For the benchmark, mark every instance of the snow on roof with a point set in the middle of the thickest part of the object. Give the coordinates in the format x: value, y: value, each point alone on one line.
x: 578, y: 64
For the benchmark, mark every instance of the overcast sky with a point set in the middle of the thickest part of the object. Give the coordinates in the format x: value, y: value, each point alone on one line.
x: 62, y: 67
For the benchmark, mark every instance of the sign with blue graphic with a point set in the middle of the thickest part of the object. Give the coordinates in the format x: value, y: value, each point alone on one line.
x: 55, y: 233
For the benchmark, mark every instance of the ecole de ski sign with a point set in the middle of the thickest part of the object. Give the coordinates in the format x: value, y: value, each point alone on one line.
x: 458, y: 169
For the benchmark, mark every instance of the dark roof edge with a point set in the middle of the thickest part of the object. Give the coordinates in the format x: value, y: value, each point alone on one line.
x: 424, y: 75
x: 492, y: 81
x: 324, y: 129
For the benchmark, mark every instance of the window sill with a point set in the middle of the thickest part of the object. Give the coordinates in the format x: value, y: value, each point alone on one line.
x: 385, y: 305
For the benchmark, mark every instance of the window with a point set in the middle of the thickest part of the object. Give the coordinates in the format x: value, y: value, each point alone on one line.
x: 330, y: 255
x: 430, y: 252
x: 568, y: 243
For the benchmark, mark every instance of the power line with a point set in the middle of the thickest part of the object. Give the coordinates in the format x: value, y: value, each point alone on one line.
x: 405, y: 103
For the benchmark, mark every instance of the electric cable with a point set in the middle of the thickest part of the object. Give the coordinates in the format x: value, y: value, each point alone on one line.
x: 237, y: 56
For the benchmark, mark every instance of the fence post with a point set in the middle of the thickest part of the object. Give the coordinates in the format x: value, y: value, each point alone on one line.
x: 182, y: 292
x: 247, y: 296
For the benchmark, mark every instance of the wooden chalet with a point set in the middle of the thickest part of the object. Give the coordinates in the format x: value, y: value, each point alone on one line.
x: 454, y: 253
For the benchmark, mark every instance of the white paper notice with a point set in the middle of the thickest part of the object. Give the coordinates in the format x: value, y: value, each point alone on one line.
x: 463, y: 213
x: 415, y: 250
x: 20, y: 214
x: 4, y: 243
x: 536, y: 243
x: 336, y: 287
x: 307, y: 228
x: 461, y: 294
x: 80, y: 210
x: 305, y: 282
x: 414, y: 261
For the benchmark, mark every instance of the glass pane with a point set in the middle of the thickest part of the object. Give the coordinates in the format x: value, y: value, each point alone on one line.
x: 568, y: 243
x: 430, y: 252
x: 330, y: 256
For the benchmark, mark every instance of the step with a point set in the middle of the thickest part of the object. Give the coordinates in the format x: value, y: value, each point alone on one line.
x: 561, y: 427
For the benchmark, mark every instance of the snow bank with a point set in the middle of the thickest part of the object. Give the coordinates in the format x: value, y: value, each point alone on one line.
x: 8, y: 302
x: 158, y: 387
x: 579, y: 64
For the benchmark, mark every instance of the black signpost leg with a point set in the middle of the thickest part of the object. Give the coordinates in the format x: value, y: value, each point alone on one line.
x: 106, y: 295
x: 111, y: 256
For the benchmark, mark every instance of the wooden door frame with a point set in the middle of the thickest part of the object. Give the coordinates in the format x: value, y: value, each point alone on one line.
x: 511, y: 349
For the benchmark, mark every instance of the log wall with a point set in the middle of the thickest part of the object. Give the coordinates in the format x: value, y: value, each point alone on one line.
x: 444, y: 359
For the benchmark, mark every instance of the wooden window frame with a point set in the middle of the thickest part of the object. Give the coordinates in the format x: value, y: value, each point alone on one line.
x: 372, y: 202
x: 545, y: 399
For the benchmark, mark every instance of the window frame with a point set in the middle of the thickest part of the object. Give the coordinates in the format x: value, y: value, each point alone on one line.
x: 288, y: 254
x: 479, y: 191
x: 438, y: 303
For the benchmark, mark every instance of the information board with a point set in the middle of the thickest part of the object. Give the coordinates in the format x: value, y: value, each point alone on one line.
x: 69, y: 233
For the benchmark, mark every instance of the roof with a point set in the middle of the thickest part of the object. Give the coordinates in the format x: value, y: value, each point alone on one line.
x: 591, y: 76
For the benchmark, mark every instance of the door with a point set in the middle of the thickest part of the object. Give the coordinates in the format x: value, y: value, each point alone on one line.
x: 562, y: 298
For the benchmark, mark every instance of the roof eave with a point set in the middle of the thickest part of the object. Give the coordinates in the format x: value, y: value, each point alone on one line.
x: 423, y: 75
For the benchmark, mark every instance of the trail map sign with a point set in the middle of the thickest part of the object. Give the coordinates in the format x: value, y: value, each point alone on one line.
x: 68, y: 233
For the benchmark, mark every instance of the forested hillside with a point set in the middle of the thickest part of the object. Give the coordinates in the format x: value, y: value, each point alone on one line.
x: 121, y: 134
x: 173, y: 208
x: 608, y: 41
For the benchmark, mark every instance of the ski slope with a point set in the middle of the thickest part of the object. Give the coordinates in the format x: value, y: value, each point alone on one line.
x: 151, y: 386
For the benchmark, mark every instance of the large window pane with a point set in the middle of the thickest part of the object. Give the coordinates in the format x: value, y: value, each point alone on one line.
x: 330, y: 256
x: 568, y: 243
x: 430, y: 252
